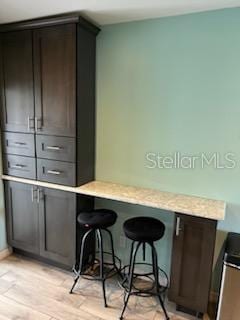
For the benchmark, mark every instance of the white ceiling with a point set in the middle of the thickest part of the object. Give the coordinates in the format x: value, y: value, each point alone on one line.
x: 107, y: 11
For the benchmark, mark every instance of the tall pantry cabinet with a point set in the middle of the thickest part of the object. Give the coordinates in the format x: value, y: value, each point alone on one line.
x: 47, y: 78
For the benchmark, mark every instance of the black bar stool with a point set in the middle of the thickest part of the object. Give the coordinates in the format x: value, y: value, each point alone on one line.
x: 142, y: 231
x: 95, y: 222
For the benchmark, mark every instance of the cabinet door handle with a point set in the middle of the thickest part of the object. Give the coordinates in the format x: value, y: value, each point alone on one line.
x: 36, y: 124
x: 32, y: 193
x: 53, y: 148
x: 38, y: 195
x: 53, y: 172
x: 178, y: 229
x: 29, y: 125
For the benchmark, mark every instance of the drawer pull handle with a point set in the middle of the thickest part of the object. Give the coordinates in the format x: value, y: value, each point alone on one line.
x: 18, y: 166
x: 53, y: 172
x: 53, y: 148
x: 19, y: 143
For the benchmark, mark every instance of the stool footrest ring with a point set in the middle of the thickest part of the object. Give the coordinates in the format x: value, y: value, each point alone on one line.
x: 143, y: 292
x: 108, y: 273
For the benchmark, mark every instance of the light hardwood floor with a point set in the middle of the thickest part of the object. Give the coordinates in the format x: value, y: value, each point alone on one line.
x: 34, y: 291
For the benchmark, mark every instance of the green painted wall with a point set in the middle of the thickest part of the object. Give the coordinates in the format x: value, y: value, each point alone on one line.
x: 166, y: 85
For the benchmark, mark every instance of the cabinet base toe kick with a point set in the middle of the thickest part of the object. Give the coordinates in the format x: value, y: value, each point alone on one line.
x: 191, y: 312
x: 39, y: 258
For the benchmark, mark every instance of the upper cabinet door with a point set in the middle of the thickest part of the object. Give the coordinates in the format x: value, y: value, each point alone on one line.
x: 55, y: 80
x: 16, y: 75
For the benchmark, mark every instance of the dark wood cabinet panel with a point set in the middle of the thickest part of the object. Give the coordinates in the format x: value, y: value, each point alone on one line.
x: 42, y: 221
x: 19, y: 166
x: 57, y: 217
x: 56, y: 148
x: 55, y: 80
x: 22, y: 144
x: 56, y: 172
x: 22, y: 216
x: 16, y: 73
x: 86, y: 56
x: 192, y: 257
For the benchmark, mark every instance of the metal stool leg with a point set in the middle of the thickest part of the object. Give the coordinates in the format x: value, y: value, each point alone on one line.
x: 126, y: 277
x: 156, y: 276
x: 131, y: 274
x: 113, y: 253
x: 100, y: 242
x: 131, y: 256
x: 81, y: 259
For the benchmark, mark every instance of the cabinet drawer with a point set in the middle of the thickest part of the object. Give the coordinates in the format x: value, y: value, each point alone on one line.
x: 19, y: 166
x: 19, y: 143
x: 56, y: 172
x: 56, y: 148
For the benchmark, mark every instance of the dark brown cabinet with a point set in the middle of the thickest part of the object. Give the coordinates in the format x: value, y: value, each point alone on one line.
x: 192, y: 257
x: 42, y: 221
x: 22, y: 216
x: 48, y: 90
x: 55, y: 80
x: 57, y: 216
x: 47, y: 102
x: 16, y: 75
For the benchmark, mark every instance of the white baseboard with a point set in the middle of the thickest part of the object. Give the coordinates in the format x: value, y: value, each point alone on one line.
x: 5, y: 253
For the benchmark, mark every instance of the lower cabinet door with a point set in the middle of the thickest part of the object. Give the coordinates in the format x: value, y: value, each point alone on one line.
x: 57, y: 220
x: 192, y: 258
x: 22, y: 216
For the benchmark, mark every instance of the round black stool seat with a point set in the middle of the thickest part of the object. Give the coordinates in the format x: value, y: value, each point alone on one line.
x: 99, y: 218
x: 145, y: 229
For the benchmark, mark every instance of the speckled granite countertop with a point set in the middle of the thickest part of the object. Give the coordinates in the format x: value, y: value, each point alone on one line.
x: 190, y: 205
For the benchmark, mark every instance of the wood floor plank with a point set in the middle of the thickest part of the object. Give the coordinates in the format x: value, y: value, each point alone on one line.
x: 41, y: 303
x: 3, y: 318
x: 12, y: 310
x: 44, y: 288
x: 4, y: 285
x: 42, y: 271
x: 3, y: 268
x: 138, y: 308
x: 41, y: 292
